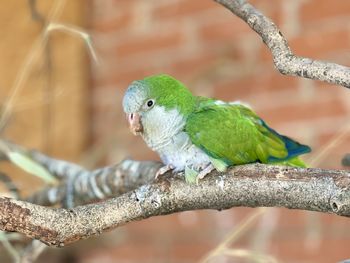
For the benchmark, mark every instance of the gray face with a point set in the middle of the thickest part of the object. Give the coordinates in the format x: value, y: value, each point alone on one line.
x: 135, y: 97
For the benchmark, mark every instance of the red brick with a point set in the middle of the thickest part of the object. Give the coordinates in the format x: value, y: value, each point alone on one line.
x: 223, y: 30
x: 189, y: 252
x: 330, y: 250
x: 180, y: 66
x: 123, y: 78
x: 150, y: 43
x: 103, y: 11
x: 183, y: 8
x: 170, y: 226
x: 322, y: 9
x: 255, y: 83
x: 332, y: 159
x: 192, y: 64
x: 328, y: 137
x: 126, y: 252
x: 317, y: 43
x: 112, y: 25
x: 304, y: 111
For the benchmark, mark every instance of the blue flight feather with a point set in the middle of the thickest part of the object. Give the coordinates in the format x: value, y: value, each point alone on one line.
x: 294, y: 148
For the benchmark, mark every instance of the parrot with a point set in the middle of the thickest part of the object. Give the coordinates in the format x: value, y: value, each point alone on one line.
x: 195, y: 135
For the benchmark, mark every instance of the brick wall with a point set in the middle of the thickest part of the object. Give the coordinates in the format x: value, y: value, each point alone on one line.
x: 215, y: 54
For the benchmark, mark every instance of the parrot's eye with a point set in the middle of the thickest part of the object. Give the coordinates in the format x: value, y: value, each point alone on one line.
x: 150, y: 103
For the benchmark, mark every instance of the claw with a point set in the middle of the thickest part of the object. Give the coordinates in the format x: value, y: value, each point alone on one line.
x: 204, y: 172
x: 163, y: 170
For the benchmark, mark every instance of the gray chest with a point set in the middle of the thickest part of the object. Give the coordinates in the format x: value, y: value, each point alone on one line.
x: 181, y: 152
x: 163, y: 132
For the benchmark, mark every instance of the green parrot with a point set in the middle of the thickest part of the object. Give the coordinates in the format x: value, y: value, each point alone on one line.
x: 196, y: 135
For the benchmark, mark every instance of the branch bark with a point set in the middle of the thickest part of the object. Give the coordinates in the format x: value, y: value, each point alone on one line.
x: 249, y: 185
x: 284, y: 59
x: 79, y: 185
x: 83, y: 186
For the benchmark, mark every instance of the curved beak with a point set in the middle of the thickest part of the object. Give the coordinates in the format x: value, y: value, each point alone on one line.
x: 135, y: 124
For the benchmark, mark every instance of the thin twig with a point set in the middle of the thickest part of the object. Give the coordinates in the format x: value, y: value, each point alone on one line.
x: 284, y: 59
x: 76, y: 31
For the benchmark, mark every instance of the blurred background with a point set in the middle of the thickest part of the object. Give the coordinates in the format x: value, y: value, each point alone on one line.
x: 61, y: 95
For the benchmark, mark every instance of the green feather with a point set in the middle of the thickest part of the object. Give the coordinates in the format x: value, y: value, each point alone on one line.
x: 219, y: 165
x: 230, y: 134
x: 295, y: 162
x: 234, y: 134
x: 170, y: 93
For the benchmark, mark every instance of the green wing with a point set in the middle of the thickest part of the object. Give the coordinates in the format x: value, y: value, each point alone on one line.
x: 233, y: 134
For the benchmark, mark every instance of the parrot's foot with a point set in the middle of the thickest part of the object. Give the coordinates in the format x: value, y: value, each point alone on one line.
x: 204, y: 172
x: 163, y: 170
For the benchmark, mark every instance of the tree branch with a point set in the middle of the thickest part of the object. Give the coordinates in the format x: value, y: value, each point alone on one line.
x: 249, y: 185
x: 285, y: 61
x: 89, y: 186
x: 80, y: 186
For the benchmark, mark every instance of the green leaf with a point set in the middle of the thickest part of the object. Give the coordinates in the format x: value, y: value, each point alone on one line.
x: 30, y: 166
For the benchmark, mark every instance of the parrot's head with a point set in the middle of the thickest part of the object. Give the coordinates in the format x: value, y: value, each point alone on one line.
x: 155, y: 102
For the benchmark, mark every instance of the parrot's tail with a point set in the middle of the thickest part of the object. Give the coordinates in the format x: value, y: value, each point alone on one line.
x: 294, y: 150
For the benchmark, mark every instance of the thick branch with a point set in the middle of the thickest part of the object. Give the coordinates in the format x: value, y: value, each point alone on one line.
x: 285, y: 61
x: 250, y: 185
x: 85, y: 186
x: 79, y: 185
